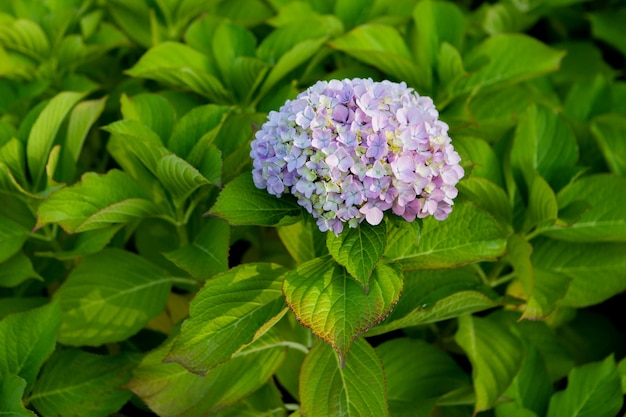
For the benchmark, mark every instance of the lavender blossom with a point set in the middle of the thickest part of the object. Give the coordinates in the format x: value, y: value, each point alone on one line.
x: 350, y: 150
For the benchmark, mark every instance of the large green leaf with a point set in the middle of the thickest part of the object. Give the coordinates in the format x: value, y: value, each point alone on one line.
x: 507, y: 58
x: 172, y: 391
x: 179, y: 65
x: 151, y: 110
x: 11, y: 390
x: 26, y: 37
x: 382, y: 47
x: 495, y: 354
x: 607, y: 26
x: 330, y: 388
x: 179, y: 177
x: 97, y: 201
x: 193, y: 126
x: 417, y: 374
x: 207, y: 255
x: 432, y: 296
x: 605, y: 221
x: 333, y: 305
x: 71, y: 378
x: 44, y: 131
x: 241, y: 203
x: 597, y: 272
x: 12, y: 237
x: 543, y: 144
x: 231, y: 311
x: 359, y: 250
x: 110, y: 296
x: 593, y: 390
x: 609, y: 131
x: 489, y: 196
x: 28, y: 338
x: 468, y: 235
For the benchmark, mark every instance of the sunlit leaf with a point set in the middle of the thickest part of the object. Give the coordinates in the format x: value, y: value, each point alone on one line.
x: 110, y: 296
x: 231, y: 311
x: 11, y: 390
x: 334, y: 306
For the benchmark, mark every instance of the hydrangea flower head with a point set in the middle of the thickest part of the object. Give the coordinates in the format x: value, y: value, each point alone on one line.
x: 350, y: 150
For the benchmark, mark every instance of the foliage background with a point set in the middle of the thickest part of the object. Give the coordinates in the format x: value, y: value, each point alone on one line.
x: 123, y: 123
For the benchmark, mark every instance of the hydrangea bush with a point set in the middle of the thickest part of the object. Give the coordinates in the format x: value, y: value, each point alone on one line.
x: 350, y: 150
x: 255, y: 208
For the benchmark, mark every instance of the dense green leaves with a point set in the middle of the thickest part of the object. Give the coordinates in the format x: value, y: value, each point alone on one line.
x: 231, y: 311
x: 11, y: 390
x: 97, y: 201
x: 110, y: 296
x: 334, y: 306
x: 329, y: 388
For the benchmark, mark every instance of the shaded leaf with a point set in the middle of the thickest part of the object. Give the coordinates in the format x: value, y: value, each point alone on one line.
x: 110, y: 296
x: 71, y: 376
x: 333, y: 305
x: 231, y: 311
x: 328, y: 388
x: 241, y: 203
x: 609, y: 131
x: 16, y: 270
x: 28, y: 338
x: 12, y: 237
x: 303, y: 240
x: 607, y: 26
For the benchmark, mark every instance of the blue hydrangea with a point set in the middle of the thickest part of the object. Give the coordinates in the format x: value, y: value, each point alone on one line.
x: 350, y: 150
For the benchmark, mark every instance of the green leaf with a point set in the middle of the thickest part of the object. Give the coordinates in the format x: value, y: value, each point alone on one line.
x: 432, y: 296
x: 495, y: 355
x: 606, y: 221
x: 151, y: 110
x: 193, y: 126
x: 489, y: 196
x: 179, y: 65
x: 82, y: 118
x: 303, y: 240
x: 436, y: 22
x: 543, y: 144
x: 542, y: 204
x: 86, y: 243
x: 71, y: 379
x: 330, y: 388
x: 507, y: 59
x: 110, y: 296
x: 207, y: 255
x: 479, y: 157
x: 162, y: 385
x: 417, y: 374
x: 12, y: 237
x: 19, y: 304
x: 241, y: 203
x: 382, y: 47
x: 582, y: 264
x: 179, y: 177
x: 607, y: 26
x: 133, y: 19
x: 592, y: 390
x: 96, y: 202
x: 44, y: 131
x: 28, y: 338
x: 26, y: 37
x: 531, y: 389
x: 333, y: 305
x: 231, y: 311
x: 229, y: 42
x: 468, y: 235
x: 359, y: 250
x: 609, y: 131
x: 11, y: 390
x: 16, y: 270
x: 140, y: 140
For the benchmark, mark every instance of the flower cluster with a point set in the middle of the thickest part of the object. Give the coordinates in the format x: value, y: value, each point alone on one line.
x: 350, y: 150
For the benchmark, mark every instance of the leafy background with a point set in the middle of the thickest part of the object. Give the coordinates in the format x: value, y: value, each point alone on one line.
x: 128, y: 209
